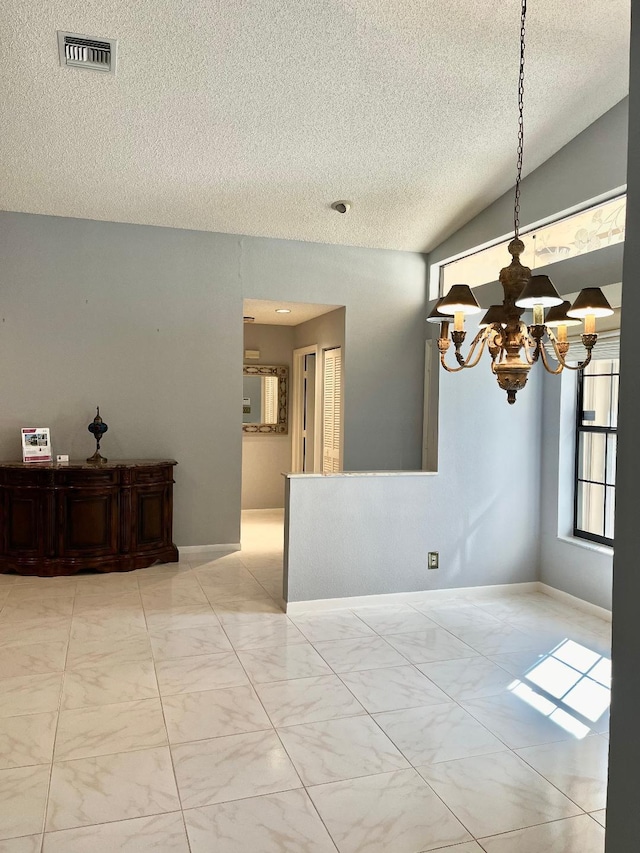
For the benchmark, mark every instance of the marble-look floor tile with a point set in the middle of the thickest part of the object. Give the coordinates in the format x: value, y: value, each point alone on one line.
x: 106, y: 584
x: 176, y: 584
x: 517, y: 663
x: 489, y: 640
x: 280, y: 663
x: 109, y: 684
x: 340, y: 749
x: 273, y: 823
x: 53, y: 629
x: 577, y: 768
x: 261, y: 635
x: 30, y: 694
x: 274, y: 588
x: 108, y: 651
x: 496, y: 793
x: 41, y: 590
x: 23, y: 798
x: 25, y: 844
x: 460, y: 616
x: 40, y: 608
x: 93, y: 626
x: 105, y: 788
x: 432, y: 644
x: 108, y: 729
x: 600, y: 816
x: 331, y: 626
x: 393, y: 620
x: 188, y: 642
x: 241, y: 590
x: 361, y: 653
x: 200, y: 672
x: 27, y: 739
x: 232, y: 768
x: 389, y: 812
x: 437, y: 733
x: 104, y: 605
x: 517, y: 722
x: 57, y: 584
x: 242, y: 612
x: 225, y: 573
x: 572, y: 835
x: 469, y: 678
x: 181, y: 618
x: 393, y: 689
x: 307, y: 700
x: 35, y: 658
x: 213, y: 713
x: 162, y: 832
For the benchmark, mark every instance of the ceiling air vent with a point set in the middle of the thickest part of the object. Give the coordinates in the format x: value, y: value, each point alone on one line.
x: 84, y: 52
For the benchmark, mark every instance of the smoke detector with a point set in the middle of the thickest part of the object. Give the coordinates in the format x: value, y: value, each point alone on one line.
x: 247, y: 319
x: 94, y: 54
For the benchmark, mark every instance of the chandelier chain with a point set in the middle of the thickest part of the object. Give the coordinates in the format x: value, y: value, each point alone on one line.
x: 516, y: 209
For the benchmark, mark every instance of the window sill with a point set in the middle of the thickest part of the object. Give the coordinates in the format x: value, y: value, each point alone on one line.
x: 585, y: 543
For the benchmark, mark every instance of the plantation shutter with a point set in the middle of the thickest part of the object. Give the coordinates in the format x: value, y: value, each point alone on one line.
x: 332, y: 410
x: 270, y: 401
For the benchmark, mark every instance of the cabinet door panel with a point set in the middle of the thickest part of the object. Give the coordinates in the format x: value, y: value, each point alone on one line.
x: 23, y: 529
x: 89, y: 524
x: 152, y: 517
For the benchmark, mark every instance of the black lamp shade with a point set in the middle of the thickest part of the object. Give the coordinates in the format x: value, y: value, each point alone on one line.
x: 592, y: 301
x: 495, y: 314
x: 557, y: 316
x: 460, y: 298
x: 436, y: 317
x: 539, y: 290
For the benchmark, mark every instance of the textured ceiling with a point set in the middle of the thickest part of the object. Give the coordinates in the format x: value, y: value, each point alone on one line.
x: 264, y: 311
x: 252, y: 117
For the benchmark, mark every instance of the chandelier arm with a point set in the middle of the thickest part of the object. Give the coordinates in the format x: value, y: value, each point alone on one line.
x: 547, y: 366
x: 527, y: 345
x: 561, y: 358
x: 464, y: 363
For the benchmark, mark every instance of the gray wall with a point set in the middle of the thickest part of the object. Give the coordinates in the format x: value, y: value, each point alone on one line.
x: 623, y: 815
x: 364, y: 535
x: 581, y: 568
x: 147, y: 322
x: 266, y: 457
x: 327, y: 331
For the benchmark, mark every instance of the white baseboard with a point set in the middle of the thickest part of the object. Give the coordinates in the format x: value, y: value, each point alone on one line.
x: 574, y: 601
x: 468, y: 593
x: 206, y: 549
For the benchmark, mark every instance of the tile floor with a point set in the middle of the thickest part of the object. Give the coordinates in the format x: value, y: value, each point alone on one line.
x: 179, y: 709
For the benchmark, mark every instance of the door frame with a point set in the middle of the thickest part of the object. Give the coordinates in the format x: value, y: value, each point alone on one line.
x: 297, y: 408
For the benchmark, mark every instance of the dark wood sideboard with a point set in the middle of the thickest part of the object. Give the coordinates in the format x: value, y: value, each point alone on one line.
x: 57, y: 519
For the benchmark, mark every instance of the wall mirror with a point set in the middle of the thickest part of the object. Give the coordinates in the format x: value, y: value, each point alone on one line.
x: 265, y: 398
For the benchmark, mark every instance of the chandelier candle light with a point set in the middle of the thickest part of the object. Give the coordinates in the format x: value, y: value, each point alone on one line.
x: 502, y: 330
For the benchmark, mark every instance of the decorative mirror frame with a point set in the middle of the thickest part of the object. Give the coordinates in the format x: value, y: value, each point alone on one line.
x: 282, y: 372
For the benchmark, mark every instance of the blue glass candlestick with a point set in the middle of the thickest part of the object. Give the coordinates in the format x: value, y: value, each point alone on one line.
x: 97, y: 428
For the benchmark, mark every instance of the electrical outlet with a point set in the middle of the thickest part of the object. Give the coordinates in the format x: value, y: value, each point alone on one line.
x: 432, y: 561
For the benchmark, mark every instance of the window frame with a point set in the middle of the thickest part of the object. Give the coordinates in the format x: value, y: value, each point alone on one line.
x: 598, y: 430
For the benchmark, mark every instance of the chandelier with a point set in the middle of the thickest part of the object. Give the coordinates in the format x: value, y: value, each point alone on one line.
x: 513, y: 345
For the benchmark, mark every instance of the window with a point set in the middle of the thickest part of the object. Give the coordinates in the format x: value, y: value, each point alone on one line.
x: 591, y: 229
x: 596, y: 440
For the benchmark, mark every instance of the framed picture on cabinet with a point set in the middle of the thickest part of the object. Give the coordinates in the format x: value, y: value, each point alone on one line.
x: 36, y: 444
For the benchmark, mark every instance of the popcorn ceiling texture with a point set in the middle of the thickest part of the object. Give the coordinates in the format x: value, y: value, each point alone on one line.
x: 252, y: 117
